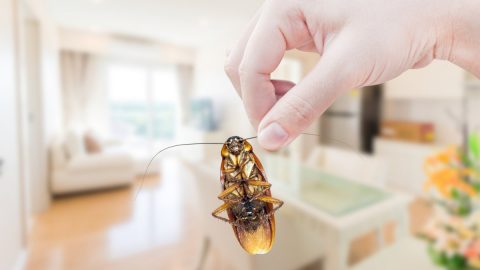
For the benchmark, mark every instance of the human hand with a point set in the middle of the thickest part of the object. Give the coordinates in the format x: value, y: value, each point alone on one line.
x: 361, y: 42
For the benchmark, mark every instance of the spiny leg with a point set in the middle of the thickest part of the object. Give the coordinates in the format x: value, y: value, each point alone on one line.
x: 259, y: 183
x: 264, y: 184
x: 221, y: 209
x: 223, y: 195
x: 276, y: 203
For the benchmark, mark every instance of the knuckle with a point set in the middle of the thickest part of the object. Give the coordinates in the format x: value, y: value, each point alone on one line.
x: 243, y: 70
x: 302, y: 110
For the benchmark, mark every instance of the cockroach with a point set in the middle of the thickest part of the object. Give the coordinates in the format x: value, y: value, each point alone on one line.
x: 245, y: 193
x: 246, y: 197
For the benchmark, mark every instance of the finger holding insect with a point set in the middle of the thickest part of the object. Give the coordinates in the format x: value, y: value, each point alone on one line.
x: 282, y: 87
x: 296, y: 110
x: 235, y: 55
x: 265, y: 49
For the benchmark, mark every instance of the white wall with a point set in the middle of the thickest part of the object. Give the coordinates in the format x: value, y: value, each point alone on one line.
x: 48, y: 116
x: 11, y: 196
x: 136, y: 49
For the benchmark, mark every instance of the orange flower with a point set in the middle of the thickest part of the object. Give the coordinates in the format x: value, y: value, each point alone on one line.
x: 443, y: 176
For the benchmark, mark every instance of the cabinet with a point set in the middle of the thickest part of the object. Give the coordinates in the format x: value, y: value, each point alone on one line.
x: 404, y: 163
x: 439, y: 80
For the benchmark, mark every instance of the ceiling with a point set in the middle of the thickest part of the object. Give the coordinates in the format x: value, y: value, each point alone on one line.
x: 184, y: 22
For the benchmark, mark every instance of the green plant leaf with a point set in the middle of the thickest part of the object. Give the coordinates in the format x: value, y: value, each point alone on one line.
x: 476, y: 186
x: 455, y: 194
x: 456, y: 262
x: 474, y: 145
x: 438, y: 257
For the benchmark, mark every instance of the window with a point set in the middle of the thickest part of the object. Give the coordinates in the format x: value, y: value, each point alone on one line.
x: 165, y: 96
x: 143, y: 101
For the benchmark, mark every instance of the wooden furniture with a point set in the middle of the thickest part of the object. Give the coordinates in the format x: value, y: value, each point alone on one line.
x: 409, y: 253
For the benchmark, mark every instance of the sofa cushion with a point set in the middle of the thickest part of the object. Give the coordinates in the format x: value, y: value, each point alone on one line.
x: 59, y: 155
x: 92, y: 143
x: 99, y: 161
x: 74, y: 143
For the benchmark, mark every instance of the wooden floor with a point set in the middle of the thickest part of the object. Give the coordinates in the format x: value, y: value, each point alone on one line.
x: 158, y: 230
x: 112, y: 230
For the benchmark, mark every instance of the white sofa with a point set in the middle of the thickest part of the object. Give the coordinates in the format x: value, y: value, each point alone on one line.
x: 74, y: 170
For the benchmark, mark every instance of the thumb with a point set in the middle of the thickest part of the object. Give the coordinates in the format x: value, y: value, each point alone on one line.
x: 299, y: 107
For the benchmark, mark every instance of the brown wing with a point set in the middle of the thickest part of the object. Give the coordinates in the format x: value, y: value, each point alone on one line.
x: 260, y: 168
x: 258, y: 241
x: 223, y: 177
x: 268, y: 193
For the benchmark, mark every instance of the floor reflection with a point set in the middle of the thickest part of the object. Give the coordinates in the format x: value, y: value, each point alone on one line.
x: 113, y: 230
x: 156, y: 219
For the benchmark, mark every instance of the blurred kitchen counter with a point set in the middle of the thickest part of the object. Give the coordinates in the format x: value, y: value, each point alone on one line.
x: 404, y: 163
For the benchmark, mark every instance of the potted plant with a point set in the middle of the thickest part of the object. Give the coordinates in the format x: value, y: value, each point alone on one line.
x: 454, y: 179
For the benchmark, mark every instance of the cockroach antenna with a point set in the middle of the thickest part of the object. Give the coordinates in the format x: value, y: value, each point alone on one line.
x: 173, y: 146
x: 158, y: 153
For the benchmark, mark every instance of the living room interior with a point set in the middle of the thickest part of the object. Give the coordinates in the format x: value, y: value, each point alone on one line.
x: 97, y: 87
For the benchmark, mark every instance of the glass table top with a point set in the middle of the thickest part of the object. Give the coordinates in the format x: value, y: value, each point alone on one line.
x: 325, y: 191
x: 336, y: 195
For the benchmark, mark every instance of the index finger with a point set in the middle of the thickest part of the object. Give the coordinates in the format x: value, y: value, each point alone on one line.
x: 236, y: 54
x: 263, y: 53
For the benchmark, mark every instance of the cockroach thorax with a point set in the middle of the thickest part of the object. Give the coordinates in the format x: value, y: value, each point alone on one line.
x: 235, y: 144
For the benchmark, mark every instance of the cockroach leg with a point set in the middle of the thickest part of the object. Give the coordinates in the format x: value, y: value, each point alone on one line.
x: 276, y: 203
x: 258, y: 183
x: 221, y: 209
x: 265, y: 185
x: 228, y: 191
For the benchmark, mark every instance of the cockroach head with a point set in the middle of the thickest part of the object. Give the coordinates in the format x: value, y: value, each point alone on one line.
x: 235, y: 144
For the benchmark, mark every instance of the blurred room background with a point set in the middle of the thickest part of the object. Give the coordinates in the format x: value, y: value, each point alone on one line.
x: 92, y: 89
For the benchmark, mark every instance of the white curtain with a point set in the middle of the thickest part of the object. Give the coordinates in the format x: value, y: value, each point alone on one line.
x: 185, y: 83
x: 85, y: 102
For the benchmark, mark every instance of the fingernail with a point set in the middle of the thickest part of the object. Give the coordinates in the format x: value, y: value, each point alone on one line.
x: 272, y: 137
